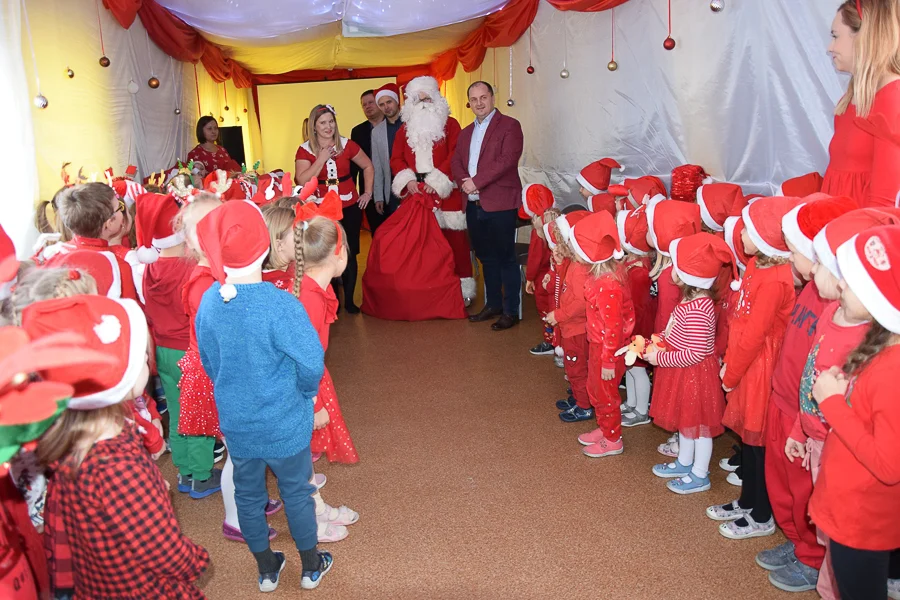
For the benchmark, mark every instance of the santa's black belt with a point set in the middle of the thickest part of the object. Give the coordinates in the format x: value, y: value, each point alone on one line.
x: 334, y: 181
x: 420, y: 177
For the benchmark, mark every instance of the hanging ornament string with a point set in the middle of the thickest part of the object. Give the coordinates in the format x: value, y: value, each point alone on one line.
x: 40, y: 100
x: 509, y: 97
x: 153, y: 82
x: 104, y: 61
x: 612, y: 65
x: 176, y: 94
x: 197, y: 86
x: 530, y: 69
x: 565, y: 70
x: 225, y: 88
x: 669, y: 42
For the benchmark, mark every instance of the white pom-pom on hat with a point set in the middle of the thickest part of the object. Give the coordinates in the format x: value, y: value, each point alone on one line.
x: 228, y: 292
x: 147, y: 255
x: 736, y: 284
x: 109, y: 329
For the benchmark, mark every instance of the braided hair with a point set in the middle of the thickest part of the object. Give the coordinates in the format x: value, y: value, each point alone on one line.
x: 314, y: 242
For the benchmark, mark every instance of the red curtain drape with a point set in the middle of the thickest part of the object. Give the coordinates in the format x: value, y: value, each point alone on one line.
x: 585, y: 5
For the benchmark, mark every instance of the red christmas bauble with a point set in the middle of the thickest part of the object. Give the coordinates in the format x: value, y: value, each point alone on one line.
x: 104, y: 62
x: 669, y: 44
x: 530, y: 70
x: 468, y: 105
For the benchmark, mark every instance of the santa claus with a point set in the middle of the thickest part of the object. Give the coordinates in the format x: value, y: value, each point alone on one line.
x: 422, y: 163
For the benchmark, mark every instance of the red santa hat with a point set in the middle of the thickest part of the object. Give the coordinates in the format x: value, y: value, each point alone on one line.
x: 536, y: 199
x: 641, y: 190
x: 113, y: 327
x: 235, y: 241
x: 698, y: 259
x: 799, y: 187
x: 595, y: 239
x: 390, y: 90
x: 670, y: 219
x: 603, y: 202
x: 866, y: 261
x: 595, y: 177
x: 425, y: 83
x: 632, y: 228
x: 564, y: 224
x: 762, y: 218
x: 733, y: 228
x: 549, y: 235
x: 685, y: 181
x: 153, y: 226
x: 838, y: 231
x: 9, y: 266
x: 128, y: 190
x: 805, y: 220
x: 718, y: 201
x: 101, y: 265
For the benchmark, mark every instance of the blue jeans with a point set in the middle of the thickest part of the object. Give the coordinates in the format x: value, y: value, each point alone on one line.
x: 250, y: 496
x: 493, y: 237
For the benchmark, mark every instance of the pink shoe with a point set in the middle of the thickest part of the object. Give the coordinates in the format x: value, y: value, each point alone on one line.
x: 338, y: 516
x: 591, y: 438
x: 273, y: 506
x: 328, y: 532
x: 604, y: 448
x: 319, y: 480
x: 316, y: 456
x: 234, y: 534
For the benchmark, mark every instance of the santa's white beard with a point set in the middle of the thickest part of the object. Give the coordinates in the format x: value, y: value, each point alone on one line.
x: 425, y: 121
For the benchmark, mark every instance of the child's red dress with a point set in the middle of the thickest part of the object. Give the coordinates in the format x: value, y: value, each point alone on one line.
x: 199, y: 415
x: 333, y: 439
x: 687, y: 392
x: 755, y: 335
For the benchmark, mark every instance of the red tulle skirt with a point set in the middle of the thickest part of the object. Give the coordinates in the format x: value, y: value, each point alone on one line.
x: 746, y: 412
x: 689, y: 400
x: 333, y: 439
x: 198, y: 404
x: 410, y: 274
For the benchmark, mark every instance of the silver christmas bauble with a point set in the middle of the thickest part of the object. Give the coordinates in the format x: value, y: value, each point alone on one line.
x: 41, y: 101
x: 132, y: 87
x: 717, y: 5
x: 564, y: 73
x: 177, y: 111
x: 70, y: 73
x: 510, y: 102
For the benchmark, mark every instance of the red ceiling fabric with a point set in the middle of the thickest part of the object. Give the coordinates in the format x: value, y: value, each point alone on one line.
x: 586, y: 5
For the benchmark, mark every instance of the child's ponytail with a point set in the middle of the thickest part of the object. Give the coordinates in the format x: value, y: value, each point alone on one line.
x: 662, y: 262
x: 299, y: 243
x: 876, y: 339
x: 36, y: 285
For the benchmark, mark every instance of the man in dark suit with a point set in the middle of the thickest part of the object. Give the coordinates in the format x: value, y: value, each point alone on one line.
x: 362, y: 135
x: 486, y: 168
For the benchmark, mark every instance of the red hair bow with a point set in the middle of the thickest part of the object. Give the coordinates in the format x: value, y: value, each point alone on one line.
x: 330, y: 208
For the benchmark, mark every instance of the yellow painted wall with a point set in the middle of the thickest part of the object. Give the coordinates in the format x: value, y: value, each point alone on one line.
x: 283, y: 107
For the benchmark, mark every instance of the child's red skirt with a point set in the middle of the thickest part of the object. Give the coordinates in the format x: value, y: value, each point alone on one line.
x: 199, y: 415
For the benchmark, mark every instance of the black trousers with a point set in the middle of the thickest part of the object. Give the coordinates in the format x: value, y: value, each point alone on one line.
x: 376, y: 220
x: 860, y: 574
x: 493, y: 236
x: 753, y: 492
x: 352, y: 223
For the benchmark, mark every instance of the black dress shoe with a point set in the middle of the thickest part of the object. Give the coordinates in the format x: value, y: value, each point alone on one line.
x: 352, y: 309
x: 505, y: 322
x: 485, y: 314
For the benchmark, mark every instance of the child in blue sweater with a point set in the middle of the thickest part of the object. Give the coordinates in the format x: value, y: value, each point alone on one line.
x: 265, y: 360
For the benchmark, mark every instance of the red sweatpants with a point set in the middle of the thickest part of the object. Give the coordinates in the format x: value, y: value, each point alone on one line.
x: 576, y: 354
x: 605, y: 396
x: 790, y: 487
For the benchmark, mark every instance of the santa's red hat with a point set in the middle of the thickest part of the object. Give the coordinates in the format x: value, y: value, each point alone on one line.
x: 733, y: 228
x: 718, y: 201
x: 9, y: 266
x: 114, y: 327
x: 799, y: 187
x: 390, y: 90
x: 153, y: 226
x: 670, y: 219
x: 603, y: 202
x: 762, y: 218
x: 686, y: 179
x: 805, y: 220
x: 595, y: 239
x: 536, y: 199
x: 549, y: 235
x: 595, y: 177
x: 235, y: 241
x: 698, y: 259
x: 564, y: 224
x: 838, y: 231
x: 641, y: 190
x: 867, y: 262
x: 101, y: 265
x: 632, y: 228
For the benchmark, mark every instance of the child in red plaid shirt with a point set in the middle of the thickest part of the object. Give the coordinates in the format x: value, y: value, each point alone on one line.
x: 110, y: 531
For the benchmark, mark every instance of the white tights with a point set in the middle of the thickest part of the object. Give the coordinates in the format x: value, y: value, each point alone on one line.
x: 697, y: 452
x: 637, y: 388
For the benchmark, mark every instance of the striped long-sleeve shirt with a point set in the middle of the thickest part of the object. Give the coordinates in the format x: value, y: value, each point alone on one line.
x: 692, y: 331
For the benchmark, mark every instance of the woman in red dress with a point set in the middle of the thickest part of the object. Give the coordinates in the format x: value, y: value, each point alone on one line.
x: 207, y: 154
x: 865, y: 43
x: 327, y: 156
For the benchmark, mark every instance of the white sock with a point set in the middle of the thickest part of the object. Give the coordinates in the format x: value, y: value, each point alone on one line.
x: 641, y: 389
x: 630, y: 398
x: 231, y: 516
x: 703, y: 448
x: 685, y: 450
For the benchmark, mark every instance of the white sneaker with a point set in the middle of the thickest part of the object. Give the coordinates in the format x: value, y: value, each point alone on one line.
x: 733, y: 479
x: 727, y: 466
x: 894, y: 589
x: 752, y: 529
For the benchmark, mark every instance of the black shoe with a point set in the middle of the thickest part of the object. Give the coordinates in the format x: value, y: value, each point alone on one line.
x: 352, y: 309
x: 485, y: 314
x: 505, y: 322
x: 218, y: 451
x: 542, y: 349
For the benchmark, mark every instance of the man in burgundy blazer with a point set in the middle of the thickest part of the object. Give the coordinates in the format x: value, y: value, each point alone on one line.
x: 486, y: 168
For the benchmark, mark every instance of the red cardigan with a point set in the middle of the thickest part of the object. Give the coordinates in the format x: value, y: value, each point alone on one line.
x: 538, y: 259
x: 609, y: 316
x: 858, y: 489
x: 572, y: 305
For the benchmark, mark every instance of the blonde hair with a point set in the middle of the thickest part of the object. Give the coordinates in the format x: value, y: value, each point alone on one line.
x: 306, y: 129
x: 609, y: 266
x: 877, y: 338
x: 73, y: 435
x: 85, y: 208
x: 43, y: 223
x: 877, y: 49
x: 690, y: 292
x: 35, y: 285
x: 764, y: 262
x: 279, y: 220
x: 314, y: 115
x: 190, y: 214
x: 662, y: 262
x: 314, y: 244
x: 286, y: 202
